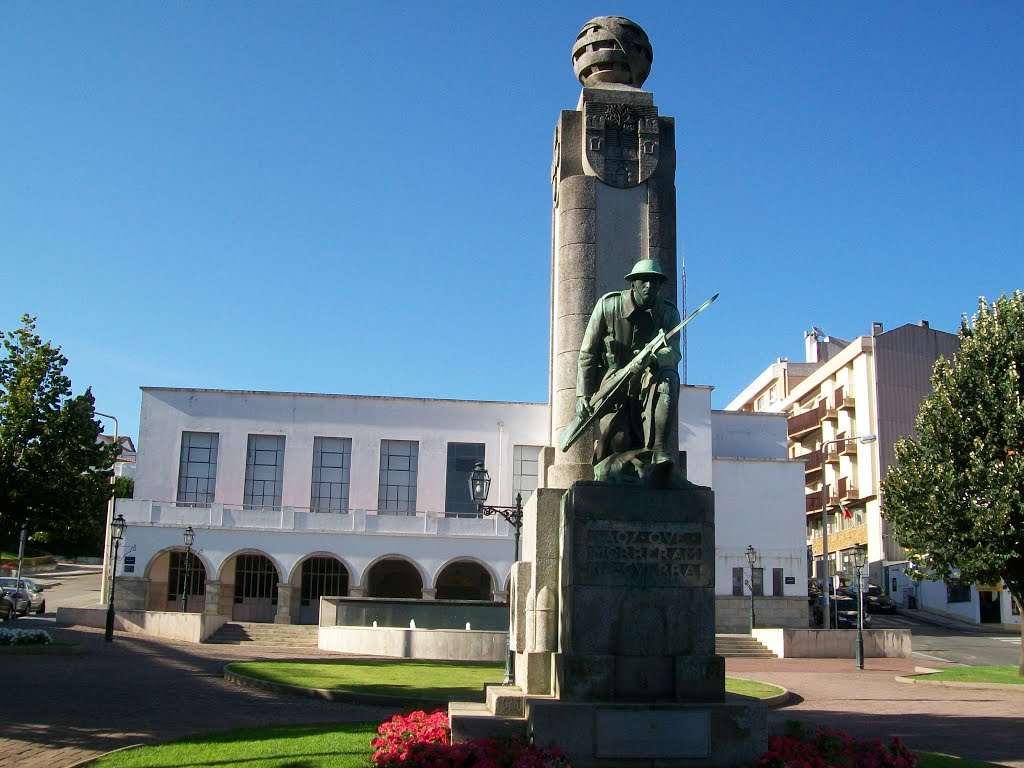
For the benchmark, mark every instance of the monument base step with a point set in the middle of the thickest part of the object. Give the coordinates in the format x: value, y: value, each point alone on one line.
x: 473, y: 720
x: 614, y: 735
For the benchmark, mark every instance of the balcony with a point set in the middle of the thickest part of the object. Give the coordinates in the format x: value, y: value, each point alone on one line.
x: 832, y: 406
x: 804, y: 423
x: 845, y: 402
x: 847, y: 490
x: 848, y: 449
x: 812, y: 503
x: 812, y: 462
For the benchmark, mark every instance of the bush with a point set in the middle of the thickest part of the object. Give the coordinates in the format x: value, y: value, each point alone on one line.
x: 826, y: 748
x: 421, y: 740
x: 24, y: 637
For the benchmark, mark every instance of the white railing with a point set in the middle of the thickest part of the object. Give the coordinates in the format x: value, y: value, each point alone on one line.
x: 301, y: 519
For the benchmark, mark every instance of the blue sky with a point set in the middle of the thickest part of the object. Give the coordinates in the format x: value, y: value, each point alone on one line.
x: 355, y: 197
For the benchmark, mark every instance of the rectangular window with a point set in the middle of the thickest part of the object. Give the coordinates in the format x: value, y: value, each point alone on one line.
x: 461, y: 459
x: 176, y: 576
x: 759, y: 403
x: 777, y: 582
x: 758, y: 586
x: 332, y: 458
x: 773, y: 394
x: 958, y: 593
x: 396, y: 489
x: 264, y: 470
x: 197, y: 468
x: 525, y: 470
x: 737, y: 582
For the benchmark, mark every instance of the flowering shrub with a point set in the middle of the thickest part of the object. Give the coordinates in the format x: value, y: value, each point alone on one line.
x: 827, y: 748
x: 421, y: 740
x: 24, y: 637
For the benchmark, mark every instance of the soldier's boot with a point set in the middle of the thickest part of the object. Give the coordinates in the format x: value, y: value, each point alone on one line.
x: 662, y: 425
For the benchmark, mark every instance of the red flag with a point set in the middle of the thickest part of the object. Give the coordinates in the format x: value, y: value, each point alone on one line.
x: 847, y: 514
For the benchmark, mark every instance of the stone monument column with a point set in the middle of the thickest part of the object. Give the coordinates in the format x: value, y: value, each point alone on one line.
x: 613, y: 184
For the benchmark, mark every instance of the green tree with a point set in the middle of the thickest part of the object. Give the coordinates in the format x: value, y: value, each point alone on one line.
x: 955, y: 497
x: 53, y: 473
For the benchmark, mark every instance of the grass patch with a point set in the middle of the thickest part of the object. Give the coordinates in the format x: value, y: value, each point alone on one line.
x: 753, y: 688
x: 383, y: 677
x: 935, y: 760
x: 345, y: 745
x: 981, y: 674
x: 415, y: 679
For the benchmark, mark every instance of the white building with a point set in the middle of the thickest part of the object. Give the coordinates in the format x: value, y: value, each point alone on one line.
x: 294, y: 496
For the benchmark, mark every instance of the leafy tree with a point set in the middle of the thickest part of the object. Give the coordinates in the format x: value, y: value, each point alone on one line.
x: 955, y: 497
x: 53, y: 473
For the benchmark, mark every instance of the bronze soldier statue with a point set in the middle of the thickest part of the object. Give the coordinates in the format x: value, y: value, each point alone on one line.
x: 637, y: 423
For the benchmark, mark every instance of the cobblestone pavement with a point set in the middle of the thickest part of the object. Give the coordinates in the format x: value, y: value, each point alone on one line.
x: 64, y: 709
x: 983, y: 724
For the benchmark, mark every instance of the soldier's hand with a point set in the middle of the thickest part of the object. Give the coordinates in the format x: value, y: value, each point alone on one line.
x: 582, y: 407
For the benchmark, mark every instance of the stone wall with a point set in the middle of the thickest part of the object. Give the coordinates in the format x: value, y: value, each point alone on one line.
x: 732, y: 614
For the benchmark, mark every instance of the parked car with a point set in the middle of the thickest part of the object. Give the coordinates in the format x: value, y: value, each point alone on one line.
x: 6, y: 606
x: 875, y: 600
x: 844, y: 613
x: 30, y: 592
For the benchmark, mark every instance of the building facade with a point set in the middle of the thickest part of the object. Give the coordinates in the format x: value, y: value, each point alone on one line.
x: 296, y: 496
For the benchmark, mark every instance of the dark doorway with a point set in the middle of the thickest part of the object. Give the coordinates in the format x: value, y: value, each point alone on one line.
x: 464, y: 581
x: 394, y: 578
x: 989, y: 607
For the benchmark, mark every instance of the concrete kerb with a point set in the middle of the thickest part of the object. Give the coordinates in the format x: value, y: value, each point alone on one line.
x: 925, y: 671
x: 97, y: 758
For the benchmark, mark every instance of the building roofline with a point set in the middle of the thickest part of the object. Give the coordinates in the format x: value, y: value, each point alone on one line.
x: 270, y: 393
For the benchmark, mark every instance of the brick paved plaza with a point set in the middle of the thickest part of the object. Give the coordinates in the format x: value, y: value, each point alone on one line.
x: 64, y: 709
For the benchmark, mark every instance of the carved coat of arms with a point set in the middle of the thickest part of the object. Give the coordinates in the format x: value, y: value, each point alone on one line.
x: 620, y: 145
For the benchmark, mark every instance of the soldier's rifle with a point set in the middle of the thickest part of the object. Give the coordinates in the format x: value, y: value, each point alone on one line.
x: 607, y: 394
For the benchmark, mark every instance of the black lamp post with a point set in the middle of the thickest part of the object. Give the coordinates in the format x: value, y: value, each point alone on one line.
x: 860, y: 556
x: 751, y: 559
x: 189, y: 537
x: 117, y: 527
x: 479, y: 487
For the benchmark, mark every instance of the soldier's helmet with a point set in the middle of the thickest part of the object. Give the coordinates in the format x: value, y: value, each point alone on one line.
x: 646, y: 267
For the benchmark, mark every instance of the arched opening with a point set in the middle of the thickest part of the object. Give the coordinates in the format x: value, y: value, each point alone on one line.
x: 171, y: 573
x: 394, y: 578
x: 254, y: 588
x: 463, y: 580
x: 321, y: 577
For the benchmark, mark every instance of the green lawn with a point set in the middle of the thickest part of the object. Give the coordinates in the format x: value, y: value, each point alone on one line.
x: 312, y: 746
x: 302, y: 746
x: 980, y: 674
x: 752, y: 688
x: 383, y: 677
x: 414, y: 679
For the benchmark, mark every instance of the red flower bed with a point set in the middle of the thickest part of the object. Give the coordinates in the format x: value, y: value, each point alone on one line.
x: 421, y: 740
x: 826, y: 748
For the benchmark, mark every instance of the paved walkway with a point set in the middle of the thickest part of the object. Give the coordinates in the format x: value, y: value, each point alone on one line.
x: 63, y: 709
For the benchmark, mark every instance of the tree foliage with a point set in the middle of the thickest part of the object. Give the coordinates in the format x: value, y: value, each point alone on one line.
x: 955, y: 497
x: 54, y: 476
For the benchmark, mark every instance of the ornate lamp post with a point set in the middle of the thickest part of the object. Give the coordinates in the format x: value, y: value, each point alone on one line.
x: 189, y: 536
x: 826, y: 570
x: 751, y: 559
x: 479, y: 487
x: 116, y: 534
x: 111, y: 503
x: 860, y: 556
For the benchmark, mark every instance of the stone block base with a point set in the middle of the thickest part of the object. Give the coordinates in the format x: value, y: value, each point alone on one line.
x: 614, y: 735
x: 471, y: 720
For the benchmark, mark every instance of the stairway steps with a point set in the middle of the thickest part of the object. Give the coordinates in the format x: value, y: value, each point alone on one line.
x: 742, y: 646
x: 278, y: 635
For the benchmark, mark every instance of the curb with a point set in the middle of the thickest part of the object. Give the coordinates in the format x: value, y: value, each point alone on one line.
x: 348, y: 697
x: 97, y: 758
x: 953, y: 684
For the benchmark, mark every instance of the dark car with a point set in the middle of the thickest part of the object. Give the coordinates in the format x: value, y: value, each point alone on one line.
x: 6, y: 606
x: 30, y: 596
x: 875, y: 600
x: 844, y: 613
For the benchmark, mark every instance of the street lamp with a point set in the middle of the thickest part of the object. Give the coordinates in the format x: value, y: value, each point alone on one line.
x: 751, y: 559
x: 479, y: 487
x: 110, y: 505
x: 826, y: 577
x: 860, y: 556
x: 116, y: 534
x: 190, y: 536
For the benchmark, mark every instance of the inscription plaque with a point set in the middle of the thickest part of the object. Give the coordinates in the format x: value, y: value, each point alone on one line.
x: 656, y: 555
x: 629, y: 733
